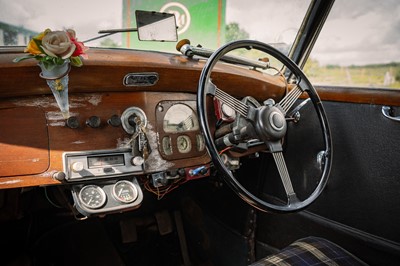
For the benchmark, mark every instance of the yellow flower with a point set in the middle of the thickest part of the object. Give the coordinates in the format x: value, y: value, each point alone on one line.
x: 33, y: 45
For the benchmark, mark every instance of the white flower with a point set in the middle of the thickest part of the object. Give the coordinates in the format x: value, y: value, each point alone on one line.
x: 58, y: 44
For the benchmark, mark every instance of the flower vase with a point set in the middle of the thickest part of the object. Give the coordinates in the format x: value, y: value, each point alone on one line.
x: 57, y: 79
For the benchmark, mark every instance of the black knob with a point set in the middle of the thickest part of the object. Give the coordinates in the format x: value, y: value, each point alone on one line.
x: 182, y: 172
x: 204, y: 171
x: 173, y: 173
x: 114, y: 121
x: 72, y: 122
x: 93, y: 121
x: 60, y: 176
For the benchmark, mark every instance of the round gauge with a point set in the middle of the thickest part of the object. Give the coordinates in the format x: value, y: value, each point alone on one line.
x: 166, y: 145
x: 124, y: 191
x: 184, y: 144
x: 180, y: 118
x: 92, y: 196
x: 200, y: 142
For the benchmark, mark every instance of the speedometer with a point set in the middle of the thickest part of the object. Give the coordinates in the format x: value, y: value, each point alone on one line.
x: 92, y: 196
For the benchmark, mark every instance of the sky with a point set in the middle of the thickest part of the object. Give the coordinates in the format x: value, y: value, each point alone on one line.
x: 357, y: 32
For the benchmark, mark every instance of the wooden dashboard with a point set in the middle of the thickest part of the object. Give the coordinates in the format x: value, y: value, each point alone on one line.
x: 34, y: 135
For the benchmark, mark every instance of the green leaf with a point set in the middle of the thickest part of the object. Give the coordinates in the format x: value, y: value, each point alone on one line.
x: 19, y: 59
x: 76, y: 61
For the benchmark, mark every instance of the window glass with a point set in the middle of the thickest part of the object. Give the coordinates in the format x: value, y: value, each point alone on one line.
x: 358, y: 46
x: 208, y: 23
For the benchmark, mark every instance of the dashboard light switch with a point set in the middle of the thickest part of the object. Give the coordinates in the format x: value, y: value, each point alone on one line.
x: 93, y: 121
x: 114, y: 121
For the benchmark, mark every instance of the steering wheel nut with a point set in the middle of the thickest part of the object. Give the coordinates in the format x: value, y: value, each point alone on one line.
x: 277, y: 121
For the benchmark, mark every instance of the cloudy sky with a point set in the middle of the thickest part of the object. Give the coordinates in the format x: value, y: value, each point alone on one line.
x: 357, y: 31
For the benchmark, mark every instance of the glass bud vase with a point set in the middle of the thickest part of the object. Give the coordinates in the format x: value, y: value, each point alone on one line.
x: 57, y: 79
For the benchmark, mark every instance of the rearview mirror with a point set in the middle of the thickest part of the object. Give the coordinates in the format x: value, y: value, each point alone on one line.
x: 156, y: 26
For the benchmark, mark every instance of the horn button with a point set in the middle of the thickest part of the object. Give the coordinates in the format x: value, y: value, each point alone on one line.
x: 270, y: 124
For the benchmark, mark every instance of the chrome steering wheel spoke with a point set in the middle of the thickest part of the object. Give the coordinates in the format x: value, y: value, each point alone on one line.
x: 227, y: 99
x: 287, y: 102
x: 285, y: 177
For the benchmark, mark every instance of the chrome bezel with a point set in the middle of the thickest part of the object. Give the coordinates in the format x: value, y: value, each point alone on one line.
x: 101, y: 192
x: 131, y: 185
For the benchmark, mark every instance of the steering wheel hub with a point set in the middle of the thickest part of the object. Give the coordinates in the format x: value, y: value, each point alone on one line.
x: 277, y: 121
x: 270, y: 124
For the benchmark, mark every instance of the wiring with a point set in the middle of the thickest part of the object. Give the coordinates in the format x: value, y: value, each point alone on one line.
x: 160, y: 192
x: 50, y: 201
x: 224, y: 150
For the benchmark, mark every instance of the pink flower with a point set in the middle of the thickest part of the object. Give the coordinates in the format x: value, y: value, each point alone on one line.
x: 80, y: 47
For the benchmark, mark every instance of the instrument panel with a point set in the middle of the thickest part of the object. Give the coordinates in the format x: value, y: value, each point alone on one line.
x: 104, y: 181
x: 52, y: 136
x: 178, y: 129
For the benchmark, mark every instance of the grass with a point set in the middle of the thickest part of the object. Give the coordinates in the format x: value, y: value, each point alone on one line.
x: 363, y: 76
x: 372, y: 76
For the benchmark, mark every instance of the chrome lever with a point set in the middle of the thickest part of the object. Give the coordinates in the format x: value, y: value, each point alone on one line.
x: 294, y: 115
x: 387, y: 112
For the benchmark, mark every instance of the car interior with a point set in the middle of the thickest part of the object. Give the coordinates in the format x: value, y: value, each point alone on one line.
x: 195, y: 157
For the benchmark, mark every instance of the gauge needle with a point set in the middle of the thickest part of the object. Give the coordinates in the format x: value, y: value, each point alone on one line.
x: 90, y: 200
x: 120, y: 191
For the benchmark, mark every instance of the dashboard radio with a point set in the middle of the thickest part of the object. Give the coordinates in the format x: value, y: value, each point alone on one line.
x: 86, y: 165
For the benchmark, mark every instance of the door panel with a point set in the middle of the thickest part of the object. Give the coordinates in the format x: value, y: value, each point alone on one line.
x: 360, y: 206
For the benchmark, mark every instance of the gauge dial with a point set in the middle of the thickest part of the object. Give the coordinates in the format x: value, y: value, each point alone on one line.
x: 200, y: 142
x: 124, y: 191
x: 92, y: 196
x: 166, y: 145
x: 184, y: 144
x: 180, y: 118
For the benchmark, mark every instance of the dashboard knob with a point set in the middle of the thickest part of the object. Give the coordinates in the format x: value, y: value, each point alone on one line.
x: 72, y: 122
x: 181, y: 172
x: 114, y: 121
x: 137, y: 160
x: 77, y: 167
x: 93, y: 121
x: 60, y: 176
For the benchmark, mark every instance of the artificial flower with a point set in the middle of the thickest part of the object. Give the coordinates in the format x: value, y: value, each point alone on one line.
x: 80, y: 47
x: 53, y: 48
x: 33, y: 45
x: 58, y: 44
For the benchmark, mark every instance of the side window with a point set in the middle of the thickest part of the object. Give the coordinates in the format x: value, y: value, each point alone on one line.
x: 358, y: 46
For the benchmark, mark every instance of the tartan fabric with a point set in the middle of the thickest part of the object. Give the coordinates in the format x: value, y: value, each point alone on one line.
x: 311, y: 251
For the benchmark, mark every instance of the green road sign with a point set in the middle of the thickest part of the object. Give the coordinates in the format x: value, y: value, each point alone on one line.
x: 200, y: 21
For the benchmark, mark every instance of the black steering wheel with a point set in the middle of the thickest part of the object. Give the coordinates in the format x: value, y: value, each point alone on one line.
x: 267, y: 123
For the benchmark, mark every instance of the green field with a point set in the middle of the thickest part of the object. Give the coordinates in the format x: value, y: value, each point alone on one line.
x: 379, y: 76
x: 374, y: 76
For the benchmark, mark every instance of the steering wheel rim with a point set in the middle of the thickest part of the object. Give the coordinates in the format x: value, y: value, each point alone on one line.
x: 293, y: 204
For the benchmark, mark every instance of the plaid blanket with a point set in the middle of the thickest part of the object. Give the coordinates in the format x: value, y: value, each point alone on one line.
x: 311, y: 251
